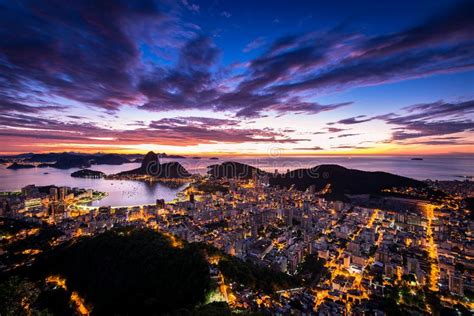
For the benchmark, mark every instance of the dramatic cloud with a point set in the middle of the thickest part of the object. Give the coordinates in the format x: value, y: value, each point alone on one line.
x: 93, y: 52
x: 330, y: 130
x: 426, y: 120
x: 352, y: 120
x: 347, y: 135
x: 256, y: 43
x: 315, y: 148
x: 66, y: 59
x: 180, y: 131
x: 350, y: 147
x: 80, y: 51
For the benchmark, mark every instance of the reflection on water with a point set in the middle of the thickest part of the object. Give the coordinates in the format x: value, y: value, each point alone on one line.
x: 120, y: 192
x: 125, y: 193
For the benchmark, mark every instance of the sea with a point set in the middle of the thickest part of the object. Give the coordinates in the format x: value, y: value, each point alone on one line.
x: 130, y: 193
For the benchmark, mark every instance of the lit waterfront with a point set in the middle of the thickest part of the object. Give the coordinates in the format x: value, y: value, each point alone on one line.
x: 127, y: 193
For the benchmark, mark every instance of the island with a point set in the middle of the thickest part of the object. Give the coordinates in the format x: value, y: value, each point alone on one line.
x: 87, y: 173
x: 416, y: 158
x: 151, y: 169
x: 16, y: 166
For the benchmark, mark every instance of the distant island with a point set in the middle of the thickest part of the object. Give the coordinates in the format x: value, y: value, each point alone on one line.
x: 69, y: 160
x: 87, y: 173
x: 161, y: 155
x: 213, y: 158
x: 76, y: 160
x: 416, y: 158
x: 16, y: 166
x: 152, y: 167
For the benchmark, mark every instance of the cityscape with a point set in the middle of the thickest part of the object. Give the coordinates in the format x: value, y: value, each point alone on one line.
x: 225, y: 158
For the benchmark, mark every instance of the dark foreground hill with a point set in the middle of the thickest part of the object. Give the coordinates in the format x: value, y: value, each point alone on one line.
x: 151, y: 166
x: 342, y: 180
x: 130, y: 272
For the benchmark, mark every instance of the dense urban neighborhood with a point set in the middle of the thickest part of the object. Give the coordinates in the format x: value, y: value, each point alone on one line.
x: 274, y: 249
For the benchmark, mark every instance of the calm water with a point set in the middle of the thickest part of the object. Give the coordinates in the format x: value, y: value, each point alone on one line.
x: 123, y: 193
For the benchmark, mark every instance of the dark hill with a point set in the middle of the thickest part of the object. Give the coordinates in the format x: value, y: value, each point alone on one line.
x: 342, y: 180
x: 110, y: 159
x: 151, y: 166
x: 54, y: 157
x: 130, y: 272
x: 72, y: 161
x: 87, y: 173
x: 232, y: 169
x: 16, y: 166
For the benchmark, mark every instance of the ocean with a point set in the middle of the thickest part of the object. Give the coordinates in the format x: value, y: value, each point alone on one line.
x: 127, y: 193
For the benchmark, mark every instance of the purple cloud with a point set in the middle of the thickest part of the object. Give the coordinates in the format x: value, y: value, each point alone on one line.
x: 315, y: 148
x: 255, y: 44
x: 179, y: 131
x: 96, y: 57
x: 426, y: 120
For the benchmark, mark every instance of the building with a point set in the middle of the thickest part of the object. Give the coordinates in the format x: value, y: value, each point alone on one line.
x: 456, y: 284
x: 53, y: 193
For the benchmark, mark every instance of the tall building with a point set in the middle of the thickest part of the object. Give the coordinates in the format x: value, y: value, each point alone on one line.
x: 53, y: 193
x: 456, y: 284
x: 160, y: 203
x: 62, y: 193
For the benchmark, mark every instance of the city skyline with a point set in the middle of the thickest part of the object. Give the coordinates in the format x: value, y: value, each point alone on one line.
x: 221, y: 78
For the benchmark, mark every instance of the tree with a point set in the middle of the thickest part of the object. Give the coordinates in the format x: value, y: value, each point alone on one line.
x: 17, y: 296
x: 131, y: 271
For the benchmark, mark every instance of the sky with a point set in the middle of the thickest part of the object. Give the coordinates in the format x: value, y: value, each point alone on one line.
x: 237, y: 77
